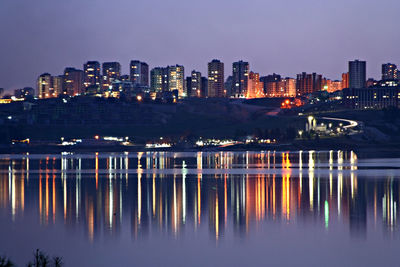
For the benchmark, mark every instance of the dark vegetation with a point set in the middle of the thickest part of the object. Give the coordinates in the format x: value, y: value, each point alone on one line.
x: 85, y: 117
x: 40, y: 259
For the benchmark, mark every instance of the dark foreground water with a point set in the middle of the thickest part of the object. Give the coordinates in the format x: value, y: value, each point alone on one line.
x: 201, y: 209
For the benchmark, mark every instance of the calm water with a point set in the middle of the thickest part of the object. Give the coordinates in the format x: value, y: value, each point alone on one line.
x: 201, y: 209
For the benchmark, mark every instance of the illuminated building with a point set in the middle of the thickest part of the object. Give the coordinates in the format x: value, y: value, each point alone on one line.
x: 195, y: 84
x: 44, y: 85
x: 92, y: 74
x: 255, y: 88
x: 331, y: 86
x: 159, y: 80
x: 376, y: 97
x: 228, y: 85
x: 240, y: 76
x: 24, y: 92
x: 281, y: 88
x: 357, y: 74
x: 270, y: 84
x: 125, y: 78
x: 111, y: 72
x: 389, y: 72
x: 345, y: 80
x: 308, y: 83
x: 371, y: 82
x: 139, y: 73
x: 73, y: 82
x: 271, y: 89
x: 287, y: 87
x: 216, y: 79
x: 335, y: 86
x: 57, y: 85
x: 176, y: 80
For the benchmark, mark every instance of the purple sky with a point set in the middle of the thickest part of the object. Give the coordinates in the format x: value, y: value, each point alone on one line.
x: 285, y: 36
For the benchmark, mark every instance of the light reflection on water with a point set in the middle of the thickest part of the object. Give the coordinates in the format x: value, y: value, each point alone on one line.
x: 220, y: 195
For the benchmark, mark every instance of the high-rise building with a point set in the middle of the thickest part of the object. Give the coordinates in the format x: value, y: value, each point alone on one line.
x: 139, y: 72
x: 216, y: 79
x: 281, y: 88
x: 308, y: 83
x: 357, y: 74
x: 73, y: 82
x: 176, y: 80
x: 195, y: 84
x: 287, y: 87
x: 188, y: 85
x: 270, y: 84
x: 44, y: 85
x: 92, y: 74
x: 111, y: 72
x: 204, y: 87
x: 255, y: 88
x: 57, y: 85
x: 229, y: 85
x: 345, y: 80
x: 240, y: 73
x: 389, y: 72
x: 159, y: 80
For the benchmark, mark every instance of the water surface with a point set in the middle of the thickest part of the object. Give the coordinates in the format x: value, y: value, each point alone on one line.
x: 201, y: 209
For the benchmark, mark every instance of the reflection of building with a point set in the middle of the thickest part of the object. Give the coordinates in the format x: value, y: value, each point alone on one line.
x: 111, y: 195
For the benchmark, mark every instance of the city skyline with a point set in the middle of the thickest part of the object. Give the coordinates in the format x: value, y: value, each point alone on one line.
x: 42, y: 45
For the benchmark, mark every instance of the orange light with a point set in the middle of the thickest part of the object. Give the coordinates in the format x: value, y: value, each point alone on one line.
x: 97, y: 137
x: 139, y: 98
x: 287, y: 101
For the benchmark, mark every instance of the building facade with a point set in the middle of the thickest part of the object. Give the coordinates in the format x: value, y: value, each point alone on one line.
x: 216, y: 79
x: 44, y: 85
x: 111, y: 73
x: 372, y: 98
x: 389, y: 72
x: 308, y: 83
x: 139, y: 73
x: 176, y: 80
x: 73, y: 82
x: 345, y: 80
x: 240, y: 76
x: 357, y: 74
x: 195, y: 84
x: 255, y: 88
x: 57, y: 85
x: 92, y: 74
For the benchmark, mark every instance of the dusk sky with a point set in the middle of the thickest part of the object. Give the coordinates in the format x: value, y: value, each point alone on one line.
x: 285, y: 36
